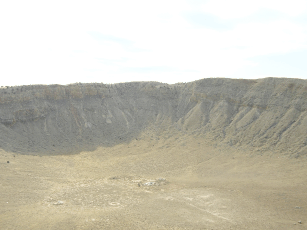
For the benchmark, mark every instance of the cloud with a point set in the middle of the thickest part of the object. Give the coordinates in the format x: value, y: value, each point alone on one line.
x: 207, y: 20
x: 103, y: 37
x: 276, y: 65
x: 151, y: 69
x: 69, y: 41
x: 240, y: 8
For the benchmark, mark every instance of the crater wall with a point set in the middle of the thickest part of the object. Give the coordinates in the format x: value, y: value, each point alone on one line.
x: 263, y: 114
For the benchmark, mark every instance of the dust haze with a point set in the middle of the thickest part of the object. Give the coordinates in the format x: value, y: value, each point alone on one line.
x: 209, y: 154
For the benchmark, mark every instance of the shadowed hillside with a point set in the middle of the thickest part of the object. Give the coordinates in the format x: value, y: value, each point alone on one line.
x: 264, y: 114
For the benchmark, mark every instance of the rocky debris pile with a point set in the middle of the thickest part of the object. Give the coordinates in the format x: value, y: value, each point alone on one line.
x: 59, y: 203
x: 157, y: 182
x: 141, y: 182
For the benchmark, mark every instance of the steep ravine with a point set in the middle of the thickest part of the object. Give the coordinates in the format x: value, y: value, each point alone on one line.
x: 263, y: 114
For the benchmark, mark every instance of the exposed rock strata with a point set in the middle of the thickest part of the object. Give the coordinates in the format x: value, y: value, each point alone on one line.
x: 267, y: 114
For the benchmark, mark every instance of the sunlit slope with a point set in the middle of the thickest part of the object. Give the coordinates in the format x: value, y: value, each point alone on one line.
x: 264, y: 114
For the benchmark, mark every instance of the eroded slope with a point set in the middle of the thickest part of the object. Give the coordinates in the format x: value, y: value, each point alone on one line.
x: 265, y: 114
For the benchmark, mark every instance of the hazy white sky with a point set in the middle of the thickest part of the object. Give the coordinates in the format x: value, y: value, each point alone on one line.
x: 49, y: 42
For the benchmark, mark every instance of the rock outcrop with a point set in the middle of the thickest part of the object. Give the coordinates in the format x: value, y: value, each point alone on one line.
x: 263, y: 114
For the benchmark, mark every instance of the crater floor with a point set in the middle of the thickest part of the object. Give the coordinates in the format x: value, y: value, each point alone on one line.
x: 174, y: 183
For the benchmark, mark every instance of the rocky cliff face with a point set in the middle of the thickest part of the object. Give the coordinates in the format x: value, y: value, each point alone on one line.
x: 265, y: 114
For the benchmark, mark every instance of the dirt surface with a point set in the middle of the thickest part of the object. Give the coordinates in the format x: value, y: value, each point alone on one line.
x: 165, y: 186
x: 210, y: 154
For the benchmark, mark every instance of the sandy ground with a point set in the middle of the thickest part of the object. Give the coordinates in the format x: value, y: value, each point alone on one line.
x: 175, y: 183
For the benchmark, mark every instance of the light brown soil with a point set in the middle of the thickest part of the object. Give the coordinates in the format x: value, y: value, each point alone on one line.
x: 193, y: 187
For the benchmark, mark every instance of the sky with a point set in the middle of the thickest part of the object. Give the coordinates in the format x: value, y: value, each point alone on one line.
x: 170, y: 41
